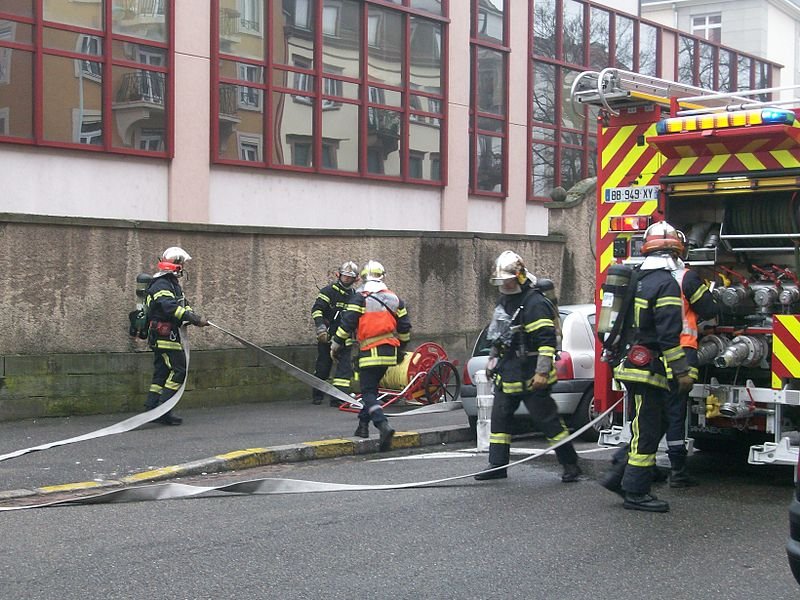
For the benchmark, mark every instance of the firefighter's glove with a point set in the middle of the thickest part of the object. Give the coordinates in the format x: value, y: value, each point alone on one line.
x: 197, y: 320
x: 491, y: 365
x: 401, y: 352
x: 539, y: 381
x: 322, y: 335
x: 685, y: 383
x: 336, y: 350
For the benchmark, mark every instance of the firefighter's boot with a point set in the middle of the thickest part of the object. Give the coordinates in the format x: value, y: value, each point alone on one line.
x: 387, y: 433
x: 362, y: 430
x: 169, y: 419
x: 571, y: 474
x: 612, y: 479
x: 488, y: 474
x: 680, y: 477
x: 645, y: 502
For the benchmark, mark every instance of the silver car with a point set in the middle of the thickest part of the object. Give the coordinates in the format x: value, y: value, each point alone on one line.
x: 574, y: 391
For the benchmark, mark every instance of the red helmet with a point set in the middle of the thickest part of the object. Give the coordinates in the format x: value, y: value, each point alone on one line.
x: 663, y: 237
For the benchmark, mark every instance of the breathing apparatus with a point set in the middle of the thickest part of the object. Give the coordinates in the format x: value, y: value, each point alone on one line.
x: 138, y: 317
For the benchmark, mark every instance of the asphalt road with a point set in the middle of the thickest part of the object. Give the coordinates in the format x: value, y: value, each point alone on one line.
x: 529, y: 536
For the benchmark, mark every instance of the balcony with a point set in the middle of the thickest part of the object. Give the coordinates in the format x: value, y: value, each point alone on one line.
x: 229, y: 28
x: 139, y: 99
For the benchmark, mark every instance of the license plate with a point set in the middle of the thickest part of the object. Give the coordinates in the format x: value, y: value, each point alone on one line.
x: 632, y: 194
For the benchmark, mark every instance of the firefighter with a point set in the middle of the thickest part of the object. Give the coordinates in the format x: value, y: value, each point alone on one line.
x: 327, y: 310
x: 657, y: 322
x: 699, y: 306
x: 522, y: 364
x: 378, y: 320
x: 167, y: 309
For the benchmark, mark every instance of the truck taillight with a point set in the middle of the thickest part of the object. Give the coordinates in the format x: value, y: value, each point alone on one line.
x: 629, y: 223
x: 564, y: 366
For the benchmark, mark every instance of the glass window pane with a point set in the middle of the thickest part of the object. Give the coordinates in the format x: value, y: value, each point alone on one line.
x: 571, y: 167
x: 383, y: 141
x: 570, y: 118
x: 648, y: 47
x: 591, y: 168
x: 82, y: 14
x: 340, y: 137
x: 293, y: 129
x: 16, y: 93
x: 426, y: 55
x: 726, y: 61
x: 71, y: 41
x: 385, y: 31
x: 544, y: 28
x: 140, y: 18
x: 388, y: 97
x: 544, y: 100
x: 495, y: 125
x: 489, y: 162
x: 543, y: 169
x: 744, y: 68
x: 685, y: 60
x: 140, y: 53
x: 706, y: 66
x: 71, y: 103
x: 11, y: 31
x: 623, y: 52
x: 491, y: 81
x: 293, y: 32
x: 241, y: 28
x: 424, y: 139
x: 491, y: 23
x: 544, y: 134
x: 431, y: 6
x: 573, y: 32
x: 341, y: 41
x: 23, y: 8
x: 599, y: 38
x: 139, y: 113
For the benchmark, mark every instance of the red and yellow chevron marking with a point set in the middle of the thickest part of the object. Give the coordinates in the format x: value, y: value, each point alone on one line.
x: 785, y: 348
x: 621, y: 161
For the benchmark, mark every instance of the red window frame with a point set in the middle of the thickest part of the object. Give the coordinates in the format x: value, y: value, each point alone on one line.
x: 362, y: 102
x: 39, y: 51
x: 476, y: 43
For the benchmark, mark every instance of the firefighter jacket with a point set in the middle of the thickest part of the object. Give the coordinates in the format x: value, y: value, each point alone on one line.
x: 532, y: 347
x: 657, y: 323
x: 329, y: 306
x: 379, y: 322
x: 698, y: 305
x: 167, y: 310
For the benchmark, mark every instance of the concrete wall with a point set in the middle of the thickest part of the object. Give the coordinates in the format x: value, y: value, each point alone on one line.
x: 67, y: 285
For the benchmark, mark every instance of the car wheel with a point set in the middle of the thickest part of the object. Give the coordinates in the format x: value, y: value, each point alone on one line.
x: 586, y: 412
x: 472, y: 420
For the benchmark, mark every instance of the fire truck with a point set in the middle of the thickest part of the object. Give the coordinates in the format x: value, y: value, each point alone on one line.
x: 725, y: 169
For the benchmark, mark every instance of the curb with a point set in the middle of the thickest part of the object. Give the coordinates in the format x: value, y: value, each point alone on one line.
x: 259, y: 457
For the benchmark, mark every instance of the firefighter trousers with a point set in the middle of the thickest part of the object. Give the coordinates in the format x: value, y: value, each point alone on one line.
x: 648, y: 425
x: 169, y: 372
x: 342, y: 374
x: 544, y: 413
x: 676, y: 418
x: 369, y: 378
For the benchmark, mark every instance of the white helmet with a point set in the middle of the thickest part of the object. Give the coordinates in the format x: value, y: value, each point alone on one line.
x: 349, y: 269
x: 373, y: 271
x: 509, y: 265
x: 663, y: 237
x: 172, y: 261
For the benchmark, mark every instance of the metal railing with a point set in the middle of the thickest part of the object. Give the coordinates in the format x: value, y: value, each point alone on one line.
x: 142, y: 86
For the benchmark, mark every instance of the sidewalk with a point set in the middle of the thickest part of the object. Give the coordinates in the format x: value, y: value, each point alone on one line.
x: 210, y: 440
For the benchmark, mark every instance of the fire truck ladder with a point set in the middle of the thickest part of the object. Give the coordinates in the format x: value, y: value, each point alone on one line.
x: 615, y: 89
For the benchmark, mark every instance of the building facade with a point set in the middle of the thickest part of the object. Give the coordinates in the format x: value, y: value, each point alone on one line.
x: 765, y: 28
x: 422, y: 115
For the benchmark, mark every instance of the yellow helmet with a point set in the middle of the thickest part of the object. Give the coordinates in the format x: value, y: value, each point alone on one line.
x: 373, y: 271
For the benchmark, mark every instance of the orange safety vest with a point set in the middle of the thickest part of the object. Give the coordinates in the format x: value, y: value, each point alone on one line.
x: 377, y: 325
x: 689, y: 329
